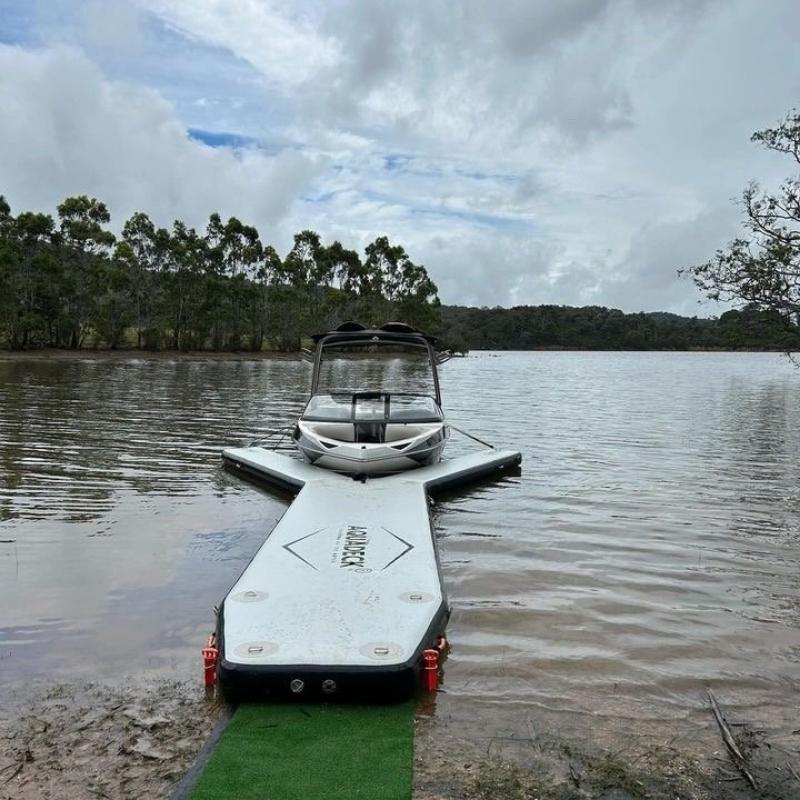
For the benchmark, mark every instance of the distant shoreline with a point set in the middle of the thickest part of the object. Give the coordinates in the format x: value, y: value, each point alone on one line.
x: 53, y: 354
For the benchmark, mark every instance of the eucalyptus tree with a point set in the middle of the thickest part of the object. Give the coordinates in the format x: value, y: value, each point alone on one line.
x: 29, y: 249
x: 382, y: 264
x: 394, y: 284
x: 243, y: 254
x: 10, y: 294
x: 143, y: 253
x: 304, y: 264
x: 8, y: 307
x: 216, y: 286
x: 344, y: 268
x: 267, y: 273
x: 85, y: 247
x: 418, y: 301
x: 115, y: 309
x: 300, y: 294
x: 31, y: 292
x: 184, y: 269
x: 762, y: 267
x: 236, y: 250
x: 5, y: 216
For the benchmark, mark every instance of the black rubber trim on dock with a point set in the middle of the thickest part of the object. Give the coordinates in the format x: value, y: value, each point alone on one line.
x: 447, y: 483
x: 379, y: 683
x: 263, y: 477
x: 434, y: 486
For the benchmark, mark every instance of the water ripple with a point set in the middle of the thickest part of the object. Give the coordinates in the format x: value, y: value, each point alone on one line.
x: 650, y: 547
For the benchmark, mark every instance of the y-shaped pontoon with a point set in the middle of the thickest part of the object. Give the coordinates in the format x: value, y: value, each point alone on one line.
x: 346, y: 593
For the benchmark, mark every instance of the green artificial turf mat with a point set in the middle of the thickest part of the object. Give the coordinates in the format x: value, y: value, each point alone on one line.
x: 312, y: 752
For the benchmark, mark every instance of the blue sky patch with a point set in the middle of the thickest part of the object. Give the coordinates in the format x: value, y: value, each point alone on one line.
x: 17, y: 23
x: 394, y: 162
x: 476, y: 218
x: 221, y: 139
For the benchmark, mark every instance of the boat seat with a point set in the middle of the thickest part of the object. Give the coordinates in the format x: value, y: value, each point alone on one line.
x: 398, y: 431
x: 341, y: 431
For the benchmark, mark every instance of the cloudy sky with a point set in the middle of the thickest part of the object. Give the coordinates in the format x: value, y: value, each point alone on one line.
x: 570, y: 151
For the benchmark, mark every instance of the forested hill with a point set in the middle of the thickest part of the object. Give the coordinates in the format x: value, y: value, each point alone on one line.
x: 598, y: 328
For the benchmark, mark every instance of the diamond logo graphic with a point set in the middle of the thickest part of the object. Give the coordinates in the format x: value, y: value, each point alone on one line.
x: 353, y: 548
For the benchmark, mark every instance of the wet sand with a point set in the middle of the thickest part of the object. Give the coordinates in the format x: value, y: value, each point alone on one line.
x: 82, y: 741
x: 543, y: 756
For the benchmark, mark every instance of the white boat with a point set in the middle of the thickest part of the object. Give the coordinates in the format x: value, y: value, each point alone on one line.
x: 375, y: 405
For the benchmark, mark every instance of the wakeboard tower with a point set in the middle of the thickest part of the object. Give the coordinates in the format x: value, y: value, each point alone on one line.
x: 366, y: 415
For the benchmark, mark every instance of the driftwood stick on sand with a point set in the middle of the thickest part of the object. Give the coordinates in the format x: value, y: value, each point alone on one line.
x: 730, y: 743
x: 17, y: 769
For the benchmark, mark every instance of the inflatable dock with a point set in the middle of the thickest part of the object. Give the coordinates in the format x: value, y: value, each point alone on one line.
x: 345, y: 596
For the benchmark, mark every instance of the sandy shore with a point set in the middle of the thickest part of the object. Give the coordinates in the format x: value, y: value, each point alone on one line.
x: 120, y: 741
x: 87, y: 741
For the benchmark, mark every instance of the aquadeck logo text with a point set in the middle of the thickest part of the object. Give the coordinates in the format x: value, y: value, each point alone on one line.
x: 354, y: 551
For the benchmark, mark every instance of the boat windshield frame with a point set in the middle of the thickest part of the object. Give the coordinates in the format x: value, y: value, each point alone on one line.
x: 352, y: 399
x: 368, y: 338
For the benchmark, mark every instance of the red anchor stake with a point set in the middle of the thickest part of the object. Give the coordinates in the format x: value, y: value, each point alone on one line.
x: 210, y: 659
x: 430, y: 667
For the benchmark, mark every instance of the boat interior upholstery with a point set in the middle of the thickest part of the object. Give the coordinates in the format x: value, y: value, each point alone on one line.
x: 370, y: 432
x: 371, y: 417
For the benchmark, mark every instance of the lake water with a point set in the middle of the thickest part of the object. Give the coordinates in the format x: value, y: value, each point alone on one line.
x: 650, y: 547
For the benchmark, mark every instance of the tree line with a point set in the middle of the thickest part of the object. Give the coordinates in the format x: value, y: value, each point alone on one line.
x: 70, y: 282
x: 599, y: 328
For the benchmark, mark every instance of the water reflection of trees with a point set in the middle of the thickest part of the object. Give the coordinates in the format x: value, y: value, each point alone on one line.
x: 762, y: 471
x: 78, y: 433
x: 762, y: 430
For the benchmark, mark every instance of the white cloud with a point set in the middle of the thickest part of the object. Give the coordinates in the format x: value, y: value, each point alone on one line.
x: 67, y: 130
x: 647, y: 272
x: 573, y: 151
x: 284, y: 47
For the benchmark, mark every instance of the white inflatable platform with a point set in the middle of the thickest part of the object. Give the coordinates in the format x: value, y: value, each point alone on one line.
x: 346, y: 592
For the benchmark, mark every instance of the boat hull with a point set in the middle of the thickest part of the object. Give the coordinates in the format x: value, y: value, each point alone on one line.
x: 384, y: 458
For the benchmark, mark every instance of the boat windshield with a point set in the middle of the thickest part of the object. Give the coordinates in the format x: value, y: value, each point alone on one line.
x: 372, y: 407
x: 376, y: 367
